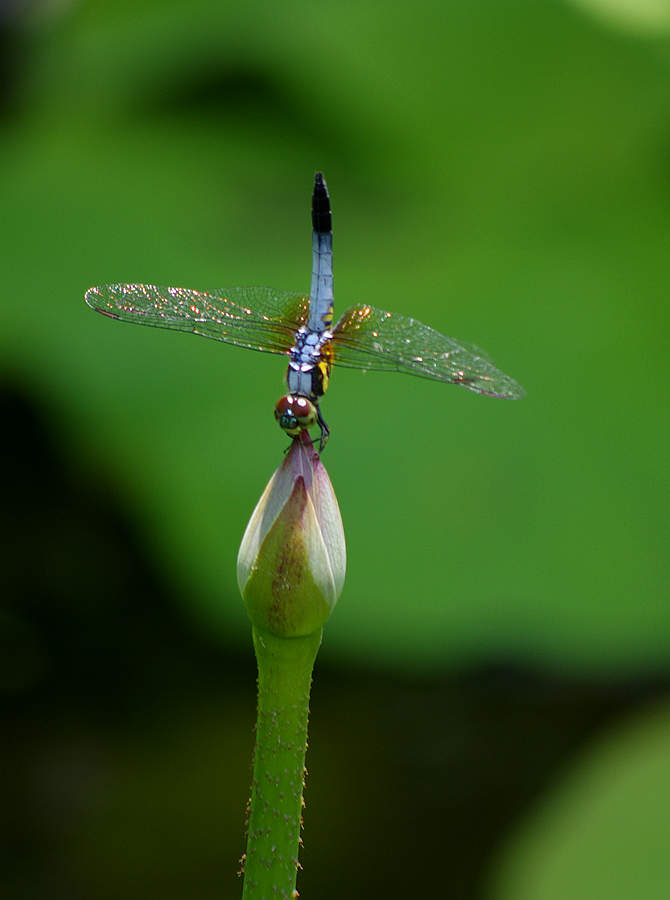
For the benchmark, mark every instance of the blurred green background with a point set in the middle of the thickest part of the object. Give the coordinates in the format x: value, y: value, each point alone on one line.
x: 491, y: 713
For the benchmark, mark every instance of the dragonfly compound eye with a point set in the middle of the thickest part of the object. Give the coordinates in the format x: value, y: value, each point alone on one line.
x: 294, y: 414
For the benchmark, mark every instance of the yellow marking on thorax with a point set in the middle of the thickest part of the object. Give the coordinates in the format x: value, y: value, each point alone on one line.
x: 324, y: 365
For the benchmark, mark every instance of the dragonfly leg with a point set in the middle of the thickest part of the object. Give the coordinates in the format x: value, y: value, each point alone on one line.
x: 325, y: 430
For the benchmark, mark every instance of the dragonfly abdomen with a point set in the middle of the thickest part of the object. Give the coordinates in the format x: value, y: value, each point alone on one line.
x: 321, y: 288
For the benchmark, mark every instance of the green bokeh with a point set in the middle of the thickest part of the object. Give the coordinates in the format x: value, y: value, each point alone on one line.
x: 500, y: 171
x: 603, y: 832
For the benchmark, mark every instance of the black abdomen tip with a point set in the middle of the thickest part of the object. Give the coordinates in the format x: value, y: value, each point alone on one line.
x: 321, y: 217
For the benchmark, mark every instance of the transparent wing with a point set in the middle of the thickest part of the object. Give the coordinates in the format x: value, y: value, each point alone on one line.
x: 257, y: 318
x: 374, y: 340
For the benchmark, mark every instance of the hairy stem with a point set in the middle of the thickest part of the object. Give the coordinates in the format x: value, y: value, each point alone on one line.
x: 275, y: 808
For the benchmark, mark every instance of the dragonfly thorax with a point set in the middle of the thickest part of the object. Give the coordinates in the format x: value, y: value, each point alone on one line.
x: 309, y: 364
x: 295, y: 413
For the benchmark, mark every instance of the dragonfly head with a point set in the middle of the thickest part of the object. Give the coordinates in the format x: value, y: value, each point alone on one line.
x: 294, y: 414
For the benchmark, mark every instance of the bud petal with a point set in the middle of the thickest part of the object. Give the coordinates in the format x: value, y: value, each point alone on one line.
x: 292, y: 560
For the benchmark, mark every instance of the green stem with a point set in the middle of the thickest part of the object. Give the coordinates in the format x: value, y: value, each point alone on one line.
x: 275, y: 808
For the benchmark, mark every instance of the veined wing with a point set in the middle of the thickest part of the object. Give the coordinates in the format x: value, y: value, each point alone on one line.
x: 371, y: 339
x: 257, y: 318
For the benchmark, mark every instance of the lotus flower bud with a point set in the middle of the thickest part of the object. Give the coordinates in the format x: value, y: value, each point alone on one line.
x: 292, y: 560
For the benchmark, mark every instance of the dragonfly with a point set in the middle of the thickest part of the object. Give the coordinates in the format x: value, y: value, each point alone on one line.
x: 300, y: 326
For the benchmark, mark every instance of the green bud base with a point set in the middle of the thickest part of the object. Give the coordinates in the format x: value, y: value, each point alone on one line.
x: 275, y: 808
